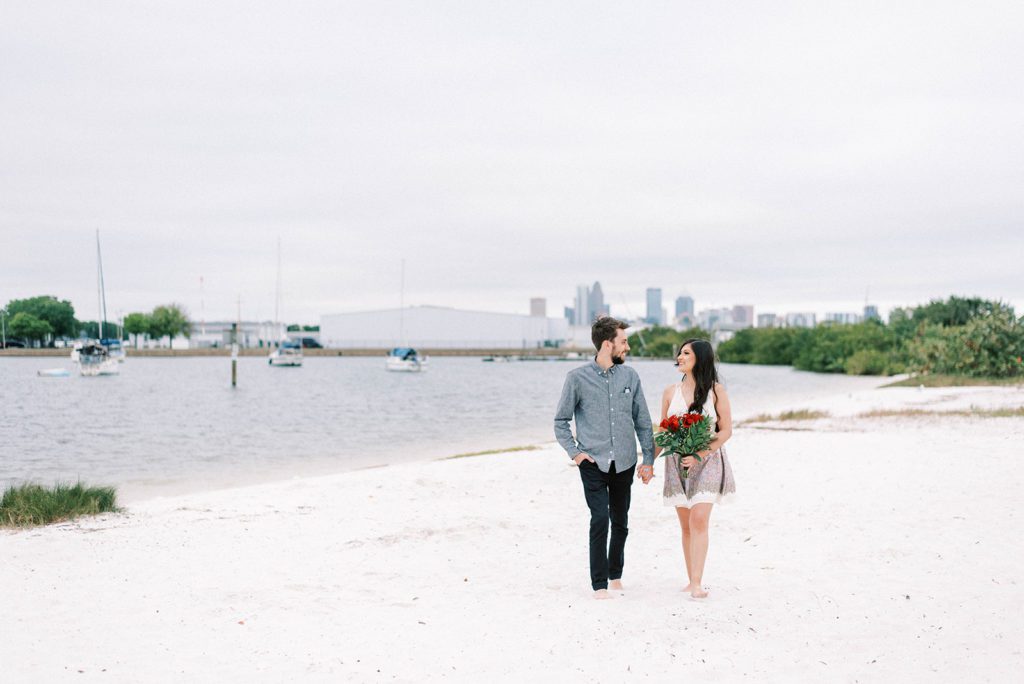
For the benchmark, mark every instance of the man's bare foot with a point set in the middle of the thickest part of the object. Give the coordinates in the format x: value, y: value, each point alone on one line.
x: 602, y: 594
x: 698, y: 592
x: 616, y: 585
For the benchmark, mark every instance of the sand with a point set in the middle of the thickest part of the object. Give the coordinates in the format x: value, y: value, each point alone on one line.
x: 858, y: 550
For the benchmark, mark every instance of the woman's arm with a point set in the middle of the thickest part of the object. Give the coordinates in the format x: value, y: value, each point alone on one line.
x: 666, y: 399
x: 724, y: 411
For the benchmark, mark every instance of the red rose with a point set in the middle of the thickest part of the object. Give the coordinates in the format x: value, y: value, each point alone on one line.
x: 673, y: 423
x: 664, y: 424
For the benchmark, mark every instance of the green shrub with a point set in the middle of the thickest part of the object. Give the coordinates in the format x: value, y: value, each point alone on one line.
x: 769, y: 346
x: 866, y: 362
x: 987, y: 346
x: 827, y: 347
x: 31, y: 504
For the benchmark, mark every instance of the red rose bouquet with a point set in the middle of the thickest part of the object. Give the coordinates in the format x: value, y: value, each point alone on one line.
x: 684, y: 434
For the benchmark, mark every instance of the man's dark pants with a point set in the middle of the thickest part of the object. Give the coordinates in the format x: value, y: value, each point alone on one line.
x: 608, y: 498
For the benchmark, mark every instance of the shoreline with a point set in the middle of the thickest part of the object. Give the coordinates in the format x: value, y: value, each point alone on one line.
x: 852, y: 554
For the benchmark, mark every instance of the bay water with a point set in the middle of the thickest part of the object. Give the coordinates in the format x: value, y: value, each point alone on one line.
x: 170, y: 425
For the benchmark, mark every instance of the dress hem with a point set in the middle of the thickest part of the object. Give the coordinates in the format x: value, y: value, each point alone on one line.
x: 699, y: 498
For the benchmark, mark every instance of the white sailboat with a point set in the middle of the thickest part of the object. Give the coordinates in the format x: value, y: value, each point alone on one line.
x: 288, y: 353
x: 94, y: 357
x: 404, y: 359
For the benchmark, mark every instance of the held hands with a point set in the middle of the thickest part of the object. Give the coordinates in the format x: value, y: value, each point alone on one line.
x: 644, y: 472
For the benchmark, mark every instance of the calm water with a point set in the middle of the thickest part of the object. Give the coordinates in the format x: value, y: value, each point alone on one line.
x: 169, y: 425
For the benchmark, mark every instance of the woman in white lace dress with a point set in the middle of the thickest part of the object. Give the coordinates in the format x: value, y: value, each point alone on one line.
x: 708, y: 479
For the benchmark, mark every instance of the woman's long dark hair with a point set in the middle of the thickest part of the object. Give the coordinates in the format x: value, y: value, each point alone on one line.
x: 704, y: 373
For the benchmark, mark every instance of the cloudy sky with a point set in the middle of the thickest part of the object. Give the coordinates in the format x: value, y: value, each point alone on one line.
x: 793, y: 156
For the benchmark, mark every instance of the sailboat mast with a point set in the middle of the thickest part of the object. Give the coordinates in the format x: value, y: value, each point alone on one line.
x: 401, y: 307
x: 100, y: 287
x: 276, y: 297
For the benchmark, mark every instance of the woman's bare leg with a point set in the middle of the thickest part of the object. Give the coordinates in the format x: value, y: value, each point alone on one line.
x: 684, y: 525
x: 700, y: 515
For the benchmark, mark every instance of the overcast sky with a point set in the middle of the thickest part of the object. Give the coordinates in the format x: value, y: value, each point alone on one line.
x: 793, y: 156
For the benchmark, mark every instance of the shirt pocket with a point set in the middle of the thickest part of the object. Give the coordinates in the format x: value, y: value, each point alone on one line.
x: 623, y: 402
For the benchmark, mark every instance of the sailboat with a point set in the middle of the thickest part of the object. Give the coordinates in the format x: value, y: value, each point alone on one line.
x: 288, y: 352
x: 404, y: 359
x: 94, y: 357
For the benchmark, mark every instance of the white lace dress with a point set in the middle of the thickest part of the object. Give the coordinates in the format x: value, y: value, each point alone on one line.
x: 710, y: 481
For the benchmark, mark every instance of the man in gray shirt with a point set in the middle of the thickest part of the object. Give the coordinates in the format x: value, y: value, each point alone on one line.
x: 607, y: 402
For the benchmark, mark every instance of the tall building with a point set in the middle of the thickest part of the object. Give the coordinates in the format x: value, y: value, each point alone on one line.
x: 870, y: 312
x: 743, y: 315
x: 582, y: 305
x: 768, y: 320
x: 801, y: 320
x: 654, y: 313
x: 538, y: 306
x: 597, y: 306
x: 570, y: 315
x: 684, y: 305
x: 714, y: 319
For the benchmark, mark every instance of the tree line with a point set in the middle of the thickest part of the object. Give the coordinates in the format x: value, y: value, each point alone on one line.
x: 958, y: 336
x: 43, y: 318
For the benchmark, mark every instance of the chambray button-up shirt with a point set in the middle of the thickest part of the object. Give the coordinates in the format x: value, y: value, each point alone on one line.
x: 611, y: 414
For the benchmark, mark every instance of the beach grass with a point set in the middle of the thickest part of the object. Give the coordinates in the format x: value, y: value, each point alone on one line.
x: 938, y: 380
x: 972, y: 412
x: 797, y: 414
x: 492, y: 451
x: 28, y: 505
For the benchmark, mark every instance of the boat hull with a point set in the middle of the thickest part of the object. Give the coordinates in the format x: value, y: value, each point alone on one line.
x: 398, y: 365
x: 105, y: 367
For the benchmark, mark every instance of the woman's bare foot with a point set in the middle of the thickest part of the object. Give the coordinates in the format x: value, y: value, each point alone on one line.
x: 688, y: 588
x: 616, y: 585
x: 603, y: 594
x: 698, y: 592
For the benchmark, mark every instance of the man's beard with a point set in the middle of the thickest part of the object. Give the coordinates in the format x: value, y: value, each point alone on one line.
x: 618, y: 360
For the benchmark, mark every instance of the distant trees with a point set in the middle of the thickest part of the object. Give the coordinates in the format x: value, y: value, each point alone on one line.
x: 166, y: 320
x: 958, y: 336
x: 137, y: 324
x: 170, y: 320
x: 662, y: 342
x: 769, y: 346
x: 36, y: 319
x: 59, y: 315
x: 29, y: 327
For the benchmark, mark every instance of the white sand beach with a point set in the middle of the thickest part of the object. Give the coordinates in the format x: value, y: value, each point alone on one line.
x: 859, y: 549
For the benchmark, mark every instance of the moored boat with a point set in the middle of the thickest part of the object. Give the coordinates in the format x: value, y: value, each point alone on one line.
x: 287, y: 354
x: 407, y: 360
x: 93, y: 360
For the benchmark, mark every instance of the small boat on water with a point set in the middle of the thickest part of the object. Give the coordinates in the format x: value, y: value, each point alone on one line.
x: 114, y: 349
x: 102, y: 356
x: 287, y: 354
x: 53, y: 373
x: 93, y: 360
x: 407, y: 360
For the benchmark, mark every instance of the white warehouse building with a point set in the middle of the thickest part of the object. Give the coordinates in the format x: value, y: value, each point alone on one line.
x: 436, y: 327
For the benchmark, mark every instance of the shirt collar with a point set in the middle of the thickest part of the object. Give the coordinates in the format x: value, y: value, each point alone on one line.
x: 601, y: 371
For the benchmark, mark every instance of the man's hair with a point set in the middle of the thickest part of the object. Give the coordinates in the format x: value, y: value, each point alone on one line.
x: 606, y: 328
